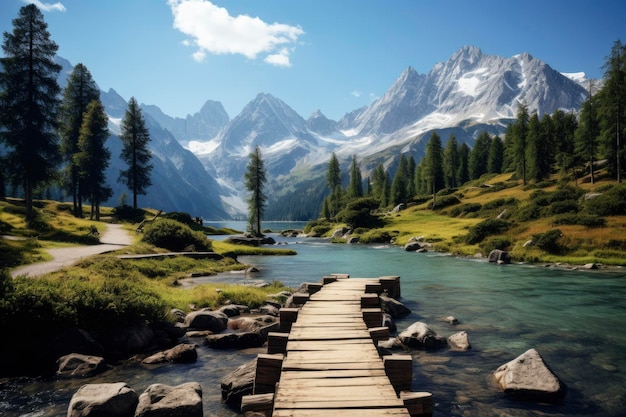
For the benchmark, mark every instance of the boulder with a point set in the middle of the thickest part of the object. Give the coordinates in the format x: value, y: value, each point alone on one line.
x: 251, y: 324
x: 76, y: 365
x: 113, y: 400
x: 182, y: 353
x: 214, y: 321
x: 269, y: 309
x: 420, y: 336
x: 459, y: 341
x: 393, y: 307
x: 352, y: 240
x: 159, y: 400
x: 178, y: 315
x: 451, y: 320
x: 412, y: 246
x: 233, y: 310
x: 528, y: 377
x: 389, y: 323
x: 238, y: 383
x: 235, y: 340
x: 499, y: 256
x: 125, y: 341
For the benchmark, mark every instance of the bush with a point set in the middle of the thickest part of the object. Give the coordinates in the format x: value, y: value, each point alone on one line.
x: 588, y: 220
x: 611, y: 203
x: 529, y: 212
x: 465, y: 208
x: 493, y: 243
x: 485, y: 228
x: 175, y: 236
x: 499, y: 202
x: 358, y: 213
x: 565, y: 206
x: 127, y: 213
x: 445, y: 201
x: 378, y: 236
x: 549, y: 241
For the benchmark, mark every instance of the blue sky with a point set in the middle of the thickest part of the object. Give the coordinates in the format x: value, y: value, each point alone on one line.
x: 332, y: 55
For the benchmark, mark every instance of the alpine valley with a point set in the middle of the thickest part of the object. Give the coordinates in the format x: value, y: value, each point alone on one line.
x: 199, y: 161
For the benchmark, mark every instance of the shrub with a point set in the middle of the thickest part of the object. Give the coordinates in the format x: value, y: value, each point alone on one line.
x: 175, y: 236
x: 465, y: 208
x: 498, y: 242
x: 358, y: 213
x: 611, y: 203
x: 129, y: 214
x: 529, y: 212
x: 499, y: 202
x: 485, y: 228
x: 588, y: 220
x: 549, y: 241
x: 445, y: 201
x: 378, y: 236
x: 564, y: 206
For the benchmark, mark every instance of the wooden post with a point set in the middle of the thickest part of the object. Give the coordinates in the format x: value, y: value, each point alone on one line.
x: 419, y: 404
x: 277, y: 342
x: 399, y: 370
x: 375, y: 288
x: 268, y: 368
x: 328, y: 279
x: 379, y: 333
x: 391, y: 285
x: 370, y: 301
x: 373, y: 317
x: 300, y: 298
x: 314, y: 287
x: 287, y: 317
x: 260, y: 403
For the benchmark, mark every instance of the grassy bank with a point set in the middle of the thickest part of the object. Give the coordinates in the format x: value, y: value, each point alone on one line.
x: 552, y: 221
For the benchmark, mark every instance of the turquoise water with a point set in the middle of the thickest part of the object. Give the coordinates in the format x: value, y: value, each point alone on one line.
x: 574, y: 319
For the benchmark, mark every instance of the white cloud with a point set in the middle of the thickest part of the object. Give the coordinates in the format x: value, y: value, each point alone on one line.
x: 214, y: 31
x: 356, y: 93
x: 47, y: 7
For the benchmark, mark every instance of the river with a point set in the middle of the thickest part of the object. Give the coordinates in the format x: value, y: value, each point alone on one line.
x: 575, y: 319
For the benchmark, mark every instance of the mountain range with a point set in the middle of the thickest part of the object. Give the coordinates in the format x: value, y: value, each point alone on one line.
x: 199, y: 161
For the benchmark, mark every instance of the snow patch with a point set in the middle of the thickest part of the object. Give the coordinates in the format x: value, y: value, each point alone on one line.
x: 282, y: 146
x: 202, y: 148
x: 469, y: 85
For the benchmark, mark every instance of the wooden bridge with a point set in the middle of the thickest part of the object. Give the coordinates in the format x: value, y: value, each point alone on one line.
x: 325, y: 360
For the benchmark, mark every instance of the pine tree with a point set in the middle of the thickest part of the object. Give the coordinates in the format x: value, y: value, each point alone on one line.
x: 587, y: 135
x: 451, y: 162
x: 255, y: 182
x: 29, y: 103
x: 92, y: 158
x: 462, y: 173
x: 398, y: 185
x: 356, y: 182
x: 333, y: 174
x: 519, y: 142
x: 479, y: 155
x: 496, y: 156
x: 434, y: 166
x: 612, y: 104
x: 410, y: 176
x: 81, y: 89
x: 135, y: 152
x: 378, y: 183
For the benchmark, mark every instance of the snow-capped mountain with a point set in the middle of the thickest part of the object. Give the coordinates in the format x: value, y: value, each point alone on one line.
x: 465, y: 95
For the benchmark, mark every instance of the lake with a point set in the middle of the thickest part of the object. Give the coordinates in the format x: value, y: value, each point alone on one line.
x: 575, y: 320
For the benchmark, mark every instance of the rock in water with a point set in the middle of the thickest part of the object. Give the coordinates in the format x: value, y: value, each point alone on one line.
x: 112, y: 400
x: 528, y: 377
x: 420, y: 336
x: 159, y: 400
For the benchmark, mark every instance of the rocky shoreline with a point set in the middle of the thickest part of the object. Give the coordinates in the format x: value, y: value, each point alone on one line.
x: 239, y: 327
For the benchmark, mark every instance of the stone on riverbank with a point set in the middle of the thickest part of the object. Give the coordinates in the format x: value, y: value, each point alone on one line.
x: 182, y: 353
x: 420, y: 336
x: 459, y: 341
x: 528, y: 377
x: 394, y: 307
x: 111, y: 400
x: 235, y: 340
x: 238, y: 383
x: 214, y: 321
x: 76, y: 365
x: 160, y: 400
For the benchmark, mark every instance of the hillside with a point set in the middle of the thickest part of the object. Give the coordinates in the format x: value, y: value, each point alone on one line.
x: 554, y: 221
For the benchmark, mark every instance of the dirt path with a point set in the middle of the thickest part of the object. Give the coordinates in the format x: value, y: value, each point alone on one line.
x: 111, y: 239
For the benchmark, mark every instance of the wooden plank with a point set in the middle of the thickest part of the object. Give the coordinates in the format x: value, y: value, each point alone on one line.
x: 339, y: 403
x: 306, y: 383
x: 363, y: 412
x: 335, y: 373
x: 323, y: 367
x: 347, y: 393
